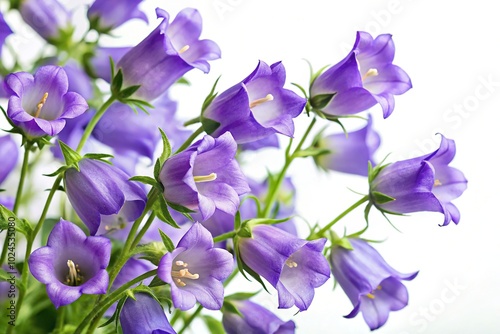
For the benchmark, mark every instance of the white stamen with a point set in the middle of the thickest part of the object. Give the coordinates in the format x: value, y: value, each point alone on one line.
x: 183, y: 49
x: 437, y: 183
x: 372, y: 72
x: 205, y: 178
x: 291, y: 264
x: 257, y: 102
x: 182, y: 273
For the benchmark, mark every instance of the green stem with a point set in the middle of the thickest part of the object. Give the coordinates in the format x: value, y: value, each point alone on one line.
x: 110, y: 299
x: 192, y: 121
x: 60, y: 319
x: 321, y: 232
x: 190, y: 319
x: 224, y: 236
x: 190, y: 139
x: 143, y: 230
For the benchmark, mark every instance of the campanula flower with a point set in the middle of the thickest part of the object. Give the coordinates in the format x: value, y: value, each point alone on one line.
x: 373, y: 286
x: 102, y: 192
x: 9, y: 153
x: 349, y: 153
x: 170, y: 51
x: 205, y: 177
x: 71, y: 264
x: 40, y: 104
x: 425, y: 183
x: 144, y: 315
x: 195, y: 270
x: 48, y: 18
x: 255, y: 108
x: 365, y: 77
x: 295, y: 267
x: 105, y: 15
x: 100, y: 64
x: 5, y: 31
x: 254, y: 319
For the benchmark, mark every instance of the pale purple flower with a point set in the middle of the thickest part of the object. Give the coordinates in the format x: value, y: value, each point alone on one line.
x: 101, y: 192
x: 71, y: 264
x: 105, y: 15
x: 254, y: 319
x: 295, y: 267
x: 425, y: 183
x: 5, y: 31
x: 255, y: 108
x: 47, y: 17
x: 195, y: 270
x: 9, y: 153
x: 361, y: 80
x: 374, y: 287
x: 205, y: 177
x: 40, y: 104
x: 72, y: 134
x: 100, y: 63
x: 349, y: 153
x: 170, y: 51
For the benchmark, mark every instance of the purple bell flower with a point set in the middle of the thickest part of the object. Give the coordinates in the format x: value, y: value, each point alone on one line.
x: 362, y: 79
x: 47, y: 17
x: 425, y: 183
x: 195, y: 270
x: 9, y: 153
x: 100, y: 61
x: 40, y: 104
x: 256, y: 108
x: 373, y: 287
x: 350, y: 154
x: 71, y: 264
x: 254, y: 319
x: 100, y: 191
x: 205, y: 177
x: 144, y: 315
x: 295, y: 267
x: 170, y: 51
x: 5, y: 31
x: 105, y: 15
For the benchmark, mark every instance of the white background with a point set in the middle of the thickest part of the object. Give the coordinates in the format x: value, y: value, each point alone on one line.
x: 451, y: 51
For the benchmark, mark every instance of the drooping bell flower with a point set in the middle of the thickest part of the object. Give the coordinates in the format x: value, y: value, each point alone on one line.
x: 295, y: 267
x: 48, y: 18
x: 425, y: 183
x: 255, y: 108
x: 100, y: 191
x: 100, y: 64
x: 271, y: 141
x: 144, y: 315
x: 349, y: 153
x: 365, y: 77
x: 170, y: 51
x: 195, y: 270
x: 71, y: 264
x: 374, y: 287
x: 254, y: 319
x: 40, y: 104
x: 105, y: 15
x: 9, y: 153
x: 205, y: 177
x: 5, y: 31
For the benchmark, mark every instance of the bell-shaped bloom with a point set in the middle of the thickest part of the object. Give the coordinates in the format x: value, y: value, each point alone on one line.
x: 144, y: 315
x: 255, y: 108
x: 170, y: 51
x: 295, y: 267
x: 349, y: 153
x: 425, y: 183
x: 40, y: 104
x: 71, y: 264
x: 99, y: 63
x: 5, y: 31
x: 205, y: 177
x: 47, y: 17
x: 271, y: 141
x: 362, y: 79
x: 195, y: 270
x: 78, y: 80
x: 100, y: 191
x: 373, y: 286
x: 254, y: 319
x: 105, y: 15
x: 9, y: 153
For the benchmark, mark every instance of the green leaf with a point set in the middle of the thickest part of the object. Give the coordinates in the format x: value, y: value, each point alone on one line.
x: 229, y: 307
x: 156, y: 282
x: 312, y: 152
x: 157, y: 170
x: 98, y: 156
x: 241, y: 295
x: 209, y: 125
x: 180, y: 208
x: 127, y: 92
x: 153, y: 251
x: 161, y: 210
x: 264, y: 221
x: 167, y: 149
x: 116, y: 83
x: 70, y: 156
x: 320, y: 101
x: 214, y: 325
x: 169, y: 245
x: 210, y: 97
x: 116, y: 315
x: 183, y: 81
x: 380, y: 198
x: 146, y: 180
x: 58, y: 171
x: 9, y: 221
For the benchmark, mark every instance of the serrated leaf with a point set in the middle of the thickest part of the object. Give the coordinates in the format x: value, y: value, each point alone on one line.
x: 320, y: 101
x: 9, y: 220
x: 167, y: 149
x: 169, y: 245
x: 380, y: 198
x: 214, y: 325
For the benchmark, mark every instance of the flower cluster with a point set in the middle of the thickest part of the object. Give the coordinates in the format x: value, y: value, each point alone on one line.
x: 195, y: 219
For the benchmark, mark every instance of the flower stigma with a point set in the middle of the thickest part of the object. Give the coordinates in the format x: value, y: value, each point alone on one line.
x: 257, y: 102
x: 372, y: 72
x: 290, y: 263
x: 74, y: 277
x: 437, y: 183
x: 205, y: 178
x: 40, y: 104
x: 372, y: 294
x: 183, y: 49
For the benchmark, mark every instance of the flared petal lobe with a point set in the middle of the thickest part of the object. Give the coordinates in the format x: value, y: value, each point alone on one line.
x: 144, y: 315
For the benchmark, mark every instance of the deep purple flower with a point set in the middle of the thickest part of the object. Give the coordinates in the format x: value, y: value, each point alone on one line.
x: 362, y: 79
x: 99, y: 190
x: 167, y: 54
x: 271, y: 141
x: 373, y: 287
x: 195, y: 270
x: 295, y: 267
x: 41, y: 104
x: 9, y: 153
x: 255, y: 319
x: 256, y: 108
x: 205, y: 177
x: 100, y: 60
x: 47, y: 17
x: 108, y: 14
x: 425, y: 183
x: 144, y: 315
x: 71, y: 264
x: 351, y: 153
x: 5, y: 31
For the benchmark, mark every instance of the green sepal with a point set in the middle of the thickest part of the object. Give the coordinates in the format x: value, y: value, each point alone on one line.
x: 380, y: 198
x: 167, y: 148
x: 161, y: 210
x: 241, y: 295
x: 135, y: 103
x: 209, y: 125
x: 99, y: 156
x: 167, y: 242
x: 146, y: 180
x: 302, y: 89
x: 58, y: 171
x: 152, y: 252
x: 213, y: 325
x: 70, y: 156
x: 8, y: 218
x: 116, y: 315
x: 156, y: 172
x: 245, y: 231
x: 210, y: 97
x: 155, y: 282
x: 180, y: 208
x: 312, y: 152
x: 127, y: 92
x: 117, y: 83
x: 183, y: 81
x: 264, y: 221
x: 320, y: 101
x: 229, y: 307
